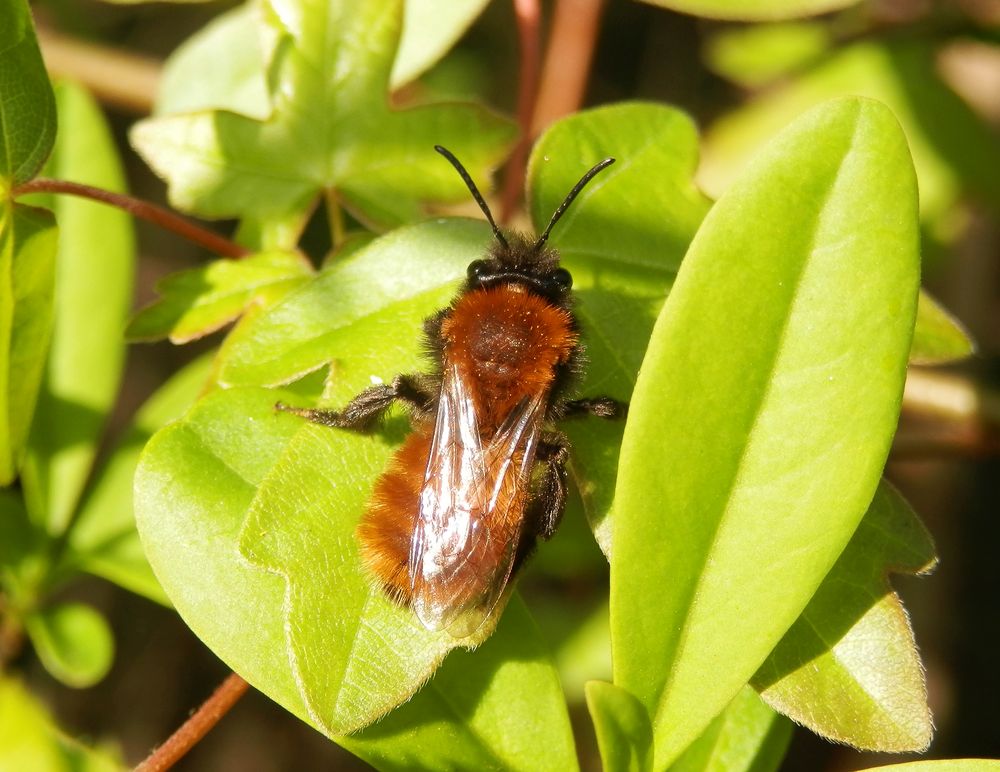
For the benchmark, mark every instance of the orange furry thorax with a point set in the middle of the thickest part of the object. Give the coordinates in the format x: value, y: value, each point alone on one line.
x: 506, y: 343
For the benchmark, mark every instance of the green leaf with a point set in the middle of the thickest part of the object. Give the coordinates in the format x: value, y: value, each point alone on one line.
x: 623, y: 240
x: 755, y: 55
x: 624, y: 736
x: 220, y: 67
x: 848, y: 668
x: 365, y: 310
x: 92, y: 297
x: 236, y: 477
x: 199, y: 301
x: 27, y: 274
x: 746, y: 737
x: 194, y: 80
x: 753, y: 10
x: 764, y: 411
x: 938, y: 337
x: 30, y: 741
x: 103, y: 539
x: 330, y: 130
x: 951, y: 157
x: 27, y: 108
x: 430, y: 28
x: 73, y: 641
x: 499, y: 707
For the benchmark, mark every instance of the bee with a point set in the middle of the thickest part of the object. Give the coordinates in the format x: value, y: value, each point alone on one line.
x: 483, y: 474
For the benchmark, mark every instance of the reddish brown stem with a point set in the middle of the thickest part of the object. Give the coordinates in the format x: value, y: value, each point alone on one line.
x: 196, y: 727
x: 528, y: 17
x: 143, y: 209
x: 575, y: 26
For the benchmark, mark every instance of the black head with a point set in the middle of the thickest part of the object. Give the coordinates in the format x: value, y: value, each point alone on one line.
x: 516, y: 258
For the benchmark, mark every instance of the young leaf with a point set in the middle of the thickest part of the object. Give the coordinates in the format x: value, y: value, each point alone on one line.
x: 623, y: 240
x: 27, y: 108
x: 764, y: 411
x: 93, y: 294
x: 499, y: 707
x: 194, y: 80
x: 753, y: 10
x: 199, y: 301
x: 624, y: 736
x: 30, y: 741
x: 365, y: 310
x: 848, y: 668
x: 27, y: 274
x: 220, y: 67
x: 430, y: 28
x: 103, y: 539
x: 73, y: 641
x: 746, y: 737
x: 330, y: 129
x: 938, y: 337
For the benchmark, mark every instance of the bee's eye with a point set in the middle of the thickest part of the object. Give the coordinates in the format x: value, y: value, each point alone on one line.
x: 477, y: 271
x: 562, y: 278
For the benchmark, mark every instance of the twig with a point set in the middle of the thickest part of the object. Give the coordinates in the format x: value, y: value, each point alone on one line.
x: 116, y: 77
x: 196, y: 727
x: 528, y: 17
x: 143, y: 209
x: 567, y: 60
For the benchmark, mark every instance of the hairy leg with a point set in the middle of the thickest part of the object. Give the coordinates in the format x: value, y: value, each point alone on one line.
x: 366, y: 409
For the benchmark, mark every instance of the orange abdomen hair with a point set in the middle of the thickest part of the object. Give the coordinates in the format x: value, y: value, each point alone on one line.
x: 386, y: 528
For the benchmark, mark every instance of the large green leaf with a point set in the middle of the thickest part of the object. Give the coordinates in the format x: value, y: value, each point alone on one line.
x: 848, y: 668
x: 330, y: 129
x: 27, y: 108
x: 93, y: 294
x: 198, y: 301
x: 248, y: 516
x: 103, y: 538
x: 746, y: 737
x: 764, y: 411
x: 27, y: 273
x: 623, y: 240
x: 753, y: 10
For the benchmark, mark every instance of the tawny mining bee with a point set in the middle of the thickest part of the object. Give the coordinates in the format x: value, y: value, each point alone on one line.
x: 483, y: 474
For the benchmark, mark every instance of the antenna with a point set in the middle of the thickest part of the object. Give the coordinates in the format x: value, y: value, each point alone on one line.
x: 569, y: 199
x: 475, y: 192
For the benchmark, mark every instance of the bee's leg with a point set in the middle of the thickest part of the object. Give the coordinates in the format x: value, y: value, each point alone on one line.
x: 601, y: 407
x: 366, y: 409
x: 550, y: 500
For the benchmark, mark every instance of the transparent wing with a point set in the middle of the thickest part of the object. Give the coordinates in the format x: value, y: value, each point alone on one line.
x: 470, y: 511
